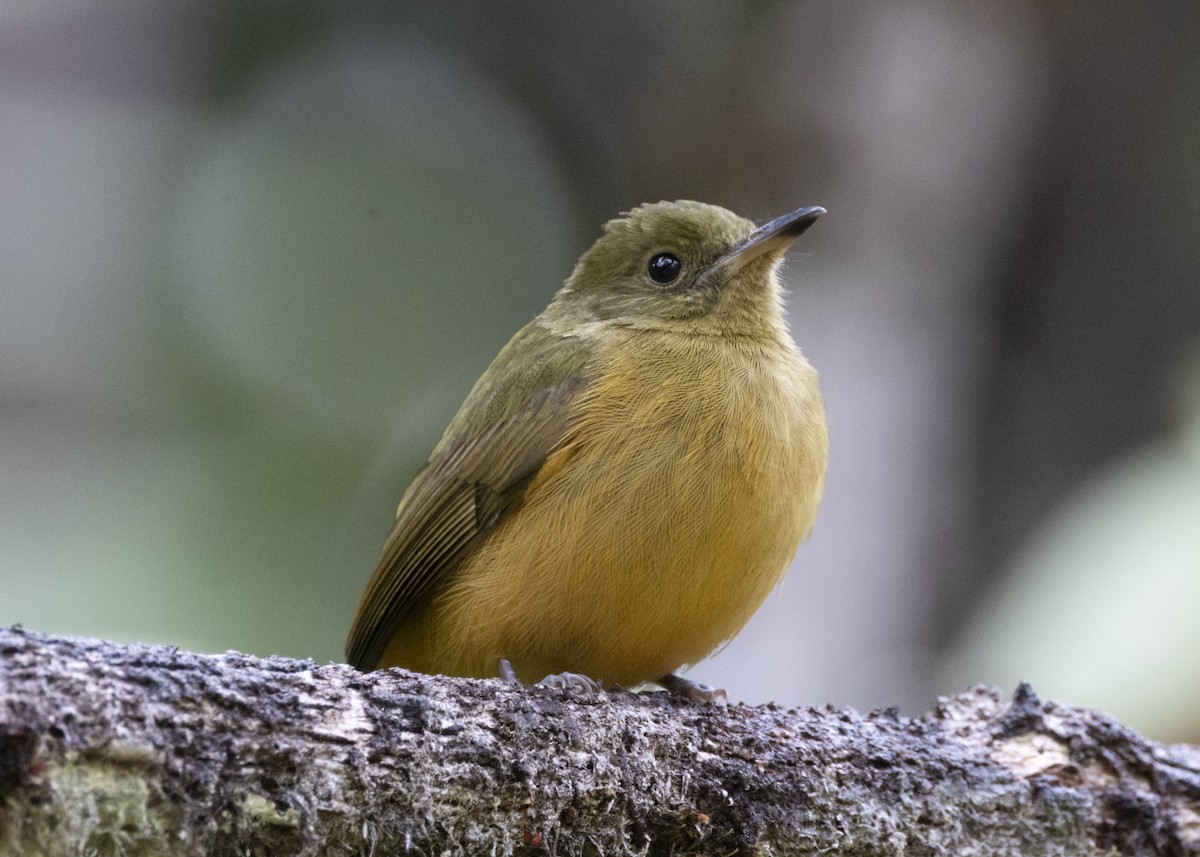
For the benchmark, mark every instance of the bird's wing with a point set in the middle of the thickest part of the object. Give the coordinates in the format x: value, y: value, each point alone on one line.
x: 510, y: 423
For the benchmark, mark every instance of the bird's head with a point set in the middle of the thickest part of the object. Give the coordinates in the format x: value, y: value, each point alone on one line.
x: 682, y: 266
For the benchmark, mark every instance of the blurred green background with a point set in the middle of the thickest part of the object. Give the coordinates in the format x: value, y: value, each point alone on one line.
x: 253, y: 254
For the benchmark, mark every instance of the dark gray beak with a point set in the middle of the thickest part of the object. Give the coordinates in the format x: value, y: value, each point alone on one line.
x: 772, y: 237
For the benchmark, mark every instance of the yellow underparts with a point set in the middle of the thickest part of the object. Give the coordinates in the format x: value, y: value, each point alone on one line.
x: 653, y: 532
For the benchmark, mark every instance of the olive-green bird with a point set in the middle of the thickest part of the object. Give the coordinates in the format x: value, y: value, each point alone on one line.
x: 626, y: 482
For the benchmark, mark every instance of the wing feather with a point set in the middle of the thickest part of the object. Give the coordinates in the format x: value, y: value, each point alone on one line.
x: 512, y: 421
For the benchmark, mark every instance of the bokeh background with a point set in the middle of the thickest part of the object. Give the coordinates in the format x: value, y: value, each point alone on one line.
x: 253, y: 254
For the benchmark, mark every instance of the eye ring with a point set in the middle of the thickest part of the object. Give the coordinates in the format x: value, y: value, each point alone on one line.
x: 664, y: 268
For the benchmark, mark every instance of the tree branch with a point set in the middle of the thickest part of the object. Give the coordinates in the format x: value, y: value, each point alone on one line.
x: 147, y: 750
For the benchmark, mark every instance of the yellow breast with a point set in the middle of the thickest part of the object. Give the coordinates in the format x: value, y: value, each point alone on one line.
x: 693, y: 471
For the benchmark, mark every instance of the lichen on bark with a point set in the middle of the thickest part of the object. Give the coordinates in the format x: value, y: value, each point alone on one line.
x: 147, y: 750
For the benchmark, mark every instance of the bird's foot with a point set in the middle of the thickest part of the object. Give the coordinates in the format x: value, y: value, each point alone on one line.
x: 693, y: 691
x: 506, y: 670
x: 573, y: 683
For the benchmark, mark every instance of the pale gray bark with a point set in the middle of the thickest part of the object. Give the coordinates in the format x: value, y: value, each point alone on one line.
x: 146, y: 750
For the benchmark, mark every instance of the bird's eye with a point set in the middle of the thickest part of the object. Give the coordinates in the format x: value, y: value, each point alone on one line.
x: 664, y: 268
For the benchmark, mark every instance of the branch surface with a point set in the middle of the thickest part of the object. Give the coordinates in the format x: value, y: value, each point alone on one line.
x: 147, y: 750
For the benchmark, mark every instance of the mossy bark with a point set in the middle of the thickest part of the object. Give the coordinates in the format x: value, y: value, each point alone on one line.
x: 145, y: 750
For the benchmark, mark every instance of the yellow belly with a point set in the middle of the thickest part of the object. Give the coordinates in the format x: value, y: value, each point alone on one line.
x: 649, y: 538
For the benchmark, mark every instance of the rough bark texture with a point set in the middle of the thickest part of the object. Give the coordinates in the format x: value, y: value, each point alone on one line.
x: 146, y: 750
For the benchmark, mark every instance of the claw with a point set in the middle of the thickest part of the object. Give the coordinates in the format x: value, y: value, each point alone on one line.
x: 574, y: 684
x: 694, y: 691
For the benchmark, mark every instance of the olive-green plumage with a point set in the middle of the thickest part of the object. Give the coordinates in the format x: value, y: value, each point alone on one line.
x: 627, y: 481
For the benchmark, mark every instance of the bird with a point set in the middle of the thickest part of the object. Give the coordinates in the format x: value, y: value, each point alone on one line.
x: 626, y: 482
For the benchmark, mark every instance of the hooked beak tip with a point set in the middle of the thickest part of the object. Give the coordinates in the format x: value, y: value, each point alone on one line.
x: 774, y: 236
